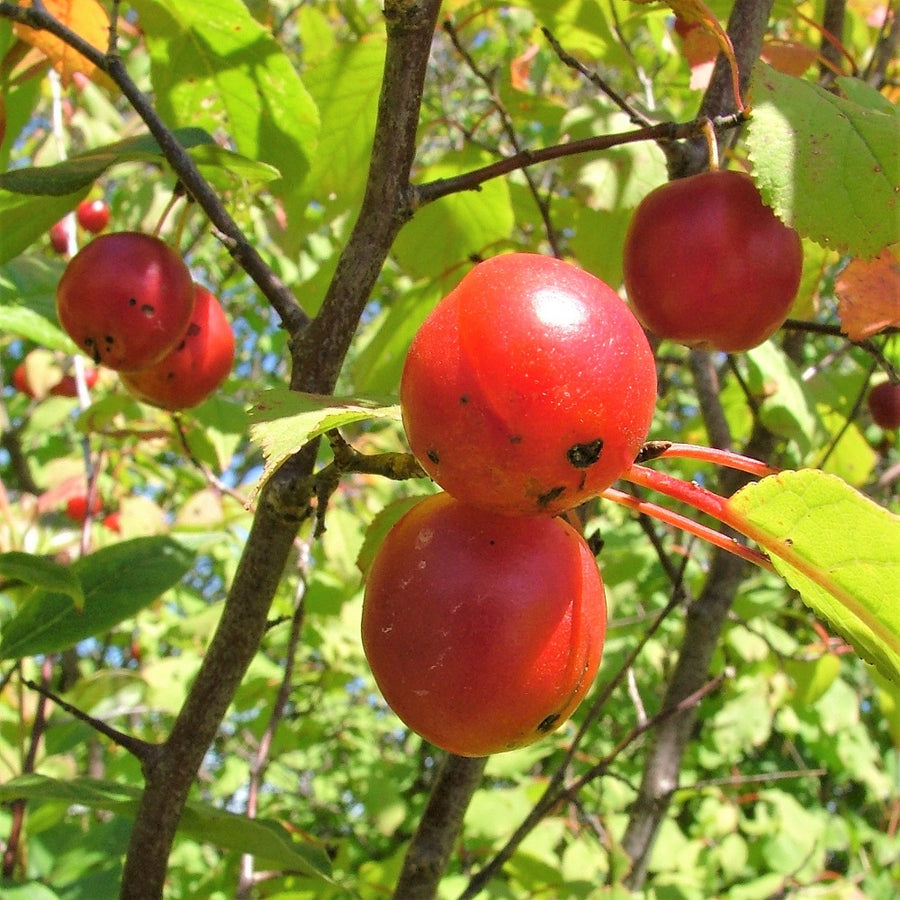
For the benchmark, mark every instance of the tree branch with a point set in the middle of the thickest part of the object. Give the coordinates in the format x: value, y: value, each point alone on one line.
x: 428, y: 852
x: 746, y: 28
x: 664, y: 132
x: 317, y: 354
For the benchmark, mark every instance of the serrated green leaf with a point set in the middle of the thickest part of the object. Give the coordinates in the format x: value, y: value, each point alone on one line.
x: 829, y: 166
x: 345, y: 87
x: 283, y: 421
x: 41, y: 572
x: 118, y: 581
x: 264, y: 838
x: 838, y: 549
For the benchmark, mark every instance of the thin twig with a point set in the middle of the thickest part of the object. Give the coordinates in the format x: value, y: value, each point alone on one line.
x: 142, y: 750
x: 664, y: 131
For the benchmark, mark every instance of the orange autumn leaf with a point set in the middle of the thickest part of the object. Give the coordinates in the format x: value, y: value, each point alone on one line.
x: 868, y: 292
x: 88, y: 19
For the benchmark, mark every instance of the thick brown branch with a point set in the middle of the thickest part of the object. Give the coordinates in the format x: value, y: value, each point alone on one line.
x: 318, y: 355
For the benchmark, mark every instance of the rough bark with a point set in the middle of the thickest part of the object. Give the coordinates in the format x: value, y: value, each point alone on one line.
x: 317, y: 355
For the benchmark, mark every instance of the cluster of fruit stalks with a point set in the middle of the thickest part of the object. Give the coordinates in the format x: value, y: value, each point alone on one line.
x: 529, y: 389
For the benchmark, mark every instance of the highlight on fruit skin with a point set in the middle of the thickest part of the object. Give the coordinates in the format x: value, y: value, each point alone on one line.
x: 196, y: 367
x: 483, y: 632
x: 706, y: 263
x: 529, y: 388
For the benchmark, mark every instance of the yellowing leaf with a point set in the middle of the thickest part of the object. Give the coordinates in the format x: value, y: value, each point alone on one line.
x: 88, y: 19
x: 838, y: 549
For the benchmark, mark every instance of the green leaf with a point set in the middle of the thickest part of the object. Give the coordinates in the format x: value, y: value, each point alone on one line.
x: 449, y: 231
x: 25, y: 219
x: 838, y: 549
x: 41, y: 572
x: 118, y: 581
x: 213, y: 64
x: 79, y: 172
x: 282, y: 421
x: 345, y: 87
x: 812, y: 152
x: 28, y: 301
x: 264, y: 838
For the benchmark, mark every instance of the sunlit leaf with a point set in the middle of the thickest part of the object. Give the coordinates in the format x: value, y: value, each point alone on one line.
x: 283, y: 421
x: 812, y: 153
x: 838, y: 549
x: 214, y: 65
x: 88, y: 19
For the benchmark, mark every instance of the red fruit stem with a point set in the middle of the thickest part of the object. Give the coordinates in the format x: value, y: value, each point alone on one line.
x: 726, y: 458
x: 690, y: 526
x: 695, y: 495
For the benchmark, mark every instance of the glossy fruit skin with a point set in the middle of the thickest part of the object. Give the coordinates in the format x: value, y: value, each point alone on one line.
x: 196, y: 367
x: 884, y: 405
x: 125, y: 299
x: 707, y: 264
x: 92, y: 215
x: 77, y: 507
x: 483, y: 632
x: 529, y: 388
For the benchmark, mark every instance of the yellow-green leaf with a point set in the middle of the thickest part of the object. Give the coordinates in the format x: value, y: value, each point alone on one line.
x: 838, y: 549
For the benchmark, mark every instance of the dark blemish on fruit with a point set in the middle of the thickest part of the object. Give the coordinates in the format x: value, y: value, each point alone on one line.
x: 90, y: 346
x: 548, y: 497
x: 583, y: 455
x: 193, y: 329
x: 109, y: 340
x: 464, y: 399
x: 515, y: 438
x: 148, y: 309
x: 546, y: 724
x: 433, y: 456
x: 132, y: 301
